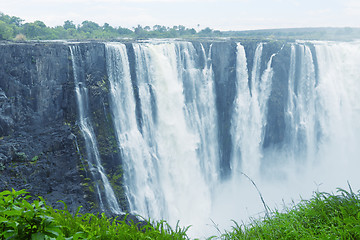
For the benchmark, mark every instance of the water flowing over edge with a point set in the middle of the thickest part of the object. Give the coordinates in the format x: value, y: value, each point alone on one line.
x: 168, y: 133
x: 102, y: 183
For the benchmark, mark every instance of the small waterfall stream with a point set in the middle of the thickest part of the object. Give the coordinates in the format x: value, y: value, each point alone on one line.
x: 93, y: 156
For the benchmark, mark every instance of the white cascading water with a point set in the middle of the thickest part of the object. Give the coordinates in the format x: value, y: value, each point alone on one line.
x: 250, y: 112
x: 93, y: 156
x: 242, y: 111
x: 324, y: 109
x: 200, y: 108
x: 338, y: 108
x: 170, y: 153
x: 163, y: 158
x: 139, y: 163
x: 302, y: 129
x: 321, y: 148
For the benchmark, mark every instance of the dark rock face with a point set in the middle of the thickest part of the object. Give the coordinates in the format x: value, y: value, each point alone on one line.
x: 37, y: 151
x: 134, y: 81
x: 93, y: 67
x: 6, y: 122
x: 41, y: 145
x: 275, y: 128
x: 224, y: 67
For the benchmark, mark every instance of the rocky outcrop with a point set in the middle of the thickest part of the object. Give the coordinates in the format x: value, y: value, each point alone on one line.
x: 94, y: 72
x: 224, y: 67
x: 37, y: 150
x: 275, y: 127
x: 41, y: 146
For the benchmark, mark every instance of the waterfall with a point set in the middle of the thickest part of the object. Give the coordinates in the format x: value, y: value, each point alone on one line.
x: 338, y: 106
x: 163, y: 103
x: 200, y: 108
x: 139, y: 162
x: 250, y: 111
x: 322, y: 111
x: 171, y: 153
x: 322, y: 122
x: 302, y: 105
x: 166, y: 131
x: 241, y: 114
x: 92, y: 152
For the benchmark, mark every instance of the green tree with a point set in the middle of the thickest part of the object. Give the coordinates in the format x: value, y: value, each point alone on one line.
x: 217, y: 33
x: 89, y: 26
x: 16, y: 21
x: 159, y: 28
x: 40, y: 24
x: 181, y: 29
x: 6, y: 32
x: 206, y: 31
x: 71, y: 33
x: 36, y: 30
x: 107, y: 27
x: 59, y: 33
x: 191, y: 31
x: 124, y: 31
x: 5, y: 18
x: 140, y: 32
x: 69, y: 25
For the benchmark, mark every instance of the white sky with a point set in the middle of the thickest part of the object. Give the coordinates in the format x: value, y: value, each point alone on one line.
x: 216, y: 14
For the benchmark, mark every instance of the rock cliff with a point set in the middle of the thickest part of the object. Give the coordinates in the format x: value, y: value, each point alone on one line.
x: 41, y: 147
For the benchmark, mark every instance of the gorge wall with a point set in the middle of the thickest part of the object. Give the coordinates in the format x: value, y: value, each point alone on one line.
x: 39, y: 129
x: 156, y: 127
x: 42, y: 149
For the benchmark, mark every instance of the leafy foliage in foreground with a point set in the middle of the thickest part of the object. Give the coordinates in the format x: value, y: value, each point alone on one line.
x: 20, y: 219
x: 324, y: 216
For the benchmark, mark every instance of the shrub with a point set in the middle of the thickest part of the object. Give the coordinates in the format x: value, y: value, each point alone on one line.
x: 20, y: 219
x: 20, y: 37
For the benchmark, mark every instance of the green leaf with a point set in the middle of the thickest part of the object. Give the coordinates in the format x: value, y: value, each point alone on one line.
x: 20, y: 192
x: 2, y: 219
x: 14, y: 212
x: 29, y: 214
x: 27, y: 204
x: 47, y: 220
x: 52, y: 232
x: 4, y: 193
x: 8, y: 199
x: 9, y: 234
x: 65, y: 206
x: 12, y: 224
x: 38, y: 236
x: 79, y: 235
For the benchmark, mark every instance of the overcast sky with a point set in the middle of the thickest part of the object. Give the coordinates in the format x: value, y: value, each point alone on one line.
x: 198, y: 14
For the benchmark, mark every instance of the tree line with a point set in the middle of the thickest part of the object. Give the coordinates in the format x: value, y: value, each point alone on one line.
x: 14, y: 28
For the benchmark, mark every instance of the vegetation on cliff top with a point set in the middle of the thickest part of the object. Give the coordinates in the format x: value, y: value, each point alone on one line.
x: 14, y: 28
x: 324, y: 216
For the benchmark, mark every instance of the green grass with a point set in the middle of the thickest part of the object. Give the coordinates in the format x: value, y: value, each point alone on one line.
x: 21, y: 219
x: 324, y: 216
